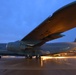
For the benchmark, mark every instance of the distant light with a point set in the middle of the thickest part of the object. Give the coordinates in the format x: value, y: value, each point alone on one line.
x: 50, y: 57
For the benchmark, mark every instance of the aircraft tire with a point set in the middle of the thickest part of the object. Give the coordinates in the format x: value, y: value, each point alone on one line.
x: 38, y: 57
x: 28, y: 57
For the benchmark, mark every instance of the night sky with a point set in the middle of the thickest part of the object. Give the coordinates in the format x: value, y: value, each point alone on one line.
x: 19, y: 17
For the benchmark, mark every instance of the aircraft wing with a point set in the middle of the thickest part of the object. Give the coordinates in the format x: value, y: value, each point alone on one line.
x: 61, y: 21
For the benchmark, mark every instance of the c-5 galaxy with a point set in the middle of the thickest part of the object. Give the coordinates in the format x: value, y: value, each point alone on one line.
x: 34, y: 44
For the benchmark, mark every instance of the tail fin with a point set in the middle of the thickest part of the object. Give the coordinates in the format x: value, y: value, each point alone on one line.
x: 75, y: 40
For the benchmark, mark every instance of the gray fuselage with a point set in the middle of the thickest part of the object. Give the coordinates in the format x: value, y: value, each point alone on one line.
x: 47, y: 48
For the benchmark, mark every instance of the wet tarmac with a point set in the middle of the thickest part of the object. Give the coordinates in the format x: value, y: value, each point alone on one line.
x: 43, y: 66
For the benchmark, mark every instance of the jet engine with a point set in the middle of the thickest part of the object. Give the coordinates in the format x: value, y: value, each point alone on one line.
x: 16, y: 46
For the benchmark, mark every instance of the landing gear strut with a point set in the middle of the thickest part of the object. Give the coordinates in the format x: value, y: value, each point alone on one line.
x: 38, y: 56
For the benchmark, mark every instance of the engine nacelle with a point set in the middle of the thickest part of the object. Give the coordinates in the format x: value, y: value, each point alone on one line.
x: 16, y: 46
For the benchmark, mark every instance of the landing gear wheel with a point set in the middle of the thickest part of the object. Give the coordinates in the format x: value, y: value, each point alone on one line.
x: 28, y: 56
x: 38, y: 57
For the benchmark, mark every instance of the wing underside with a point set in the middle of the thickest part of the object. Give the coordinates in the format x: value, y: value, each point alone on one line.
x: 61, y: 21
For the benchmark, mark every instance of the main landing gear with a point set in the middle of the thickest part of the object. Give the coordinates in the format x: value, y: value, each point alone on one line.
x: 30, y: 57
x: 38, y: 56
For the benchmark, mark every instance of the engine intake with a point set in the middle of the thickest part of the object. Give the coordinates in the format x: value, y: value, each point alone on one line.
x: 16, y: 46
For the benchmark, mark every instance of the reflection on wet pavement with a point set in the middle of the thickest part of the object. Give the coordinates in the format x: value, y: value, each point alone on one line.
x: 46, y: 63
x: 43, y: 66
